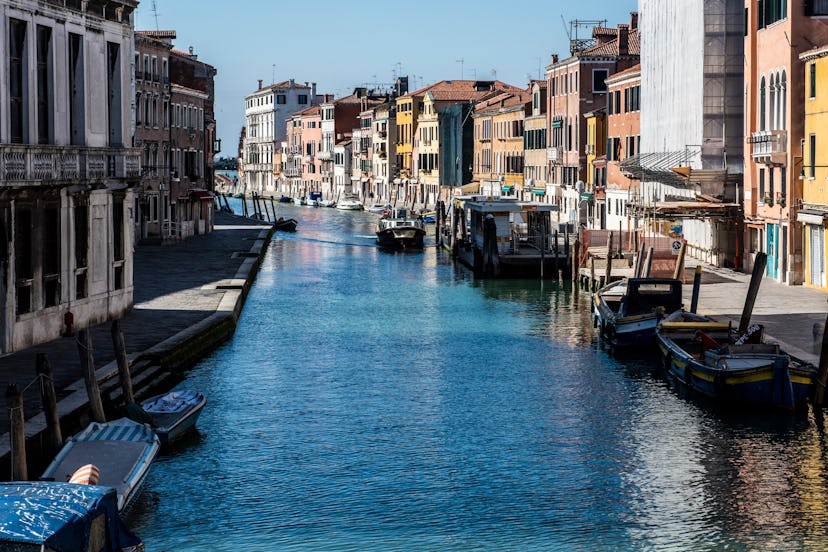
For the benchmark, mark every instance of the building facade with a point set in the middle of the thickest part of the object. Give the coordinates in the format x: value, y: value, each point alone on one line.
x: 623, y: 140
x: 774, y: 106
x: 67, y: 168
x: 535, y: 166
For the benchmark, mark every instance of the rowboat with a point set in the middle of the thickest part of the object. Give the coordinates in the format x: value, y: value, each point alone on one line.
x: 50, y: 516
x: 627, y: 312
x: 286, y: 225
x: 710, y: 358
x: 122, y: 450
x: 174, y: 414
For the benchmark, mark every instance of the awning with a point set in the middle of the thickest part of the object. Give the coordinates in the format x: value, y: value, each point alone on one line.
x: 539, y: 192
x: 203, y: 195
x: 506, y: 189
x: 811, y: 216
x: 472, y: 188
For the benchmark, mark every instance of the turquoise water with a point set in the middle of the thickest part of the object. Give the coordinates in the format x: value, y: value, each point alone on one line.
x: 375, y: 401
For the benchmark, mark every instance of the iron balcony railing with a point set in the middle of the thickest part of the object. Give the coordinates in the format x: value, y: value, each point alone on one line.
x: 24, y: 163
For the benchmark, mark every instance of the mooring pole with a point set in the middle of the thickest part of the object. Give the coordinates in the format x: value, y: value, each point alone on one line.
x: 49, y: 401
x: 123, y: 363
x: 694, y: 303
x: 753, y: 290
x: 648, y: 264
x: 14, y: 400
x: 639, y: 261
x: 87, y: 360
x: 822, y: 373
x: 576, y: 257
x: 679, y: 271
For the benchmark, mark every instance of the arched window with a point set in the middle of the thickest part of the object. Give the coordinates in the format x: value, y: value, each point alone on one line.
x: 772, y: 110
x: 762, y: 105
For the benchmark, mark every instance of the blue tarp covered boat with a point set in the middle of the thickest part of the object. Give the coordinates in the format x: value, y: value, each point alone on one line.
x: 63, y: 517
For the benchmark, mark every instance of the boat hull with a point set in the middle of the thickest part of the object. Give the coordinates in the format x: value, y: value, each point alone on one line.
x: 745, y: 379
x: 171, y: 426
x: 401, y: 238
x: 288, y: 225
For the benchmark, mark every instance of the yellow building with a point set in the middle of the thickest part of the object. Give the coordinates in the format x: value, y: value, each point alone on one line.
x: 814, y: 173
x: 499, y: 143
x: 596, y: 158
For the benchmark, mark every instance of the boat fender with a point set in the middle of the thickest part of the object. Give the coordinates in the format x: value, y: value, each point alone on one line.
x: 86, y: 475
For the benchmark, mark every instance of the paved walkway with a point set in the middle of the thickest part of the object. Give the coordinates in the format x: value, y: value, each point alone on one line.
x: 788, y: 313
x: 175, y: 288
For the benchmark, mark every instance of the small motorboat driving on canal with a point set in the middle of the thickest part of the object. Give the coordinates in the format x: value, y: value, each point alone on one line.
x: 50, y: 516
x: 627, y: 312
x: 710, y: 358
x: 398, y: 231
x: 286, y: 225
x: 122, y: 451
x: 350, y: 202
x: 174, y: 414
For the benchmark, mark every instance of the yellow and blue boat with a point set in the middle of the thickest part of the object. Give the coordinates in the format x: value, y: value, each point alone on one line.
x: 709, y: 358
x: 627, y: 312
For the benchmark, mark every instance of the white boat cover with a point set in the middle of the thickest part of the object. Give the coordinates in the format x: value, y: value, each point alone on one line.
x: 175, y: 401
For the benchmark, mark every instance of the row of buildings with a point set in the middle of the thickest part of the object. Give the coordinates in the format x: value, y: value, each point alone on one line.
x: 717, y: 144
x: 106, y: 138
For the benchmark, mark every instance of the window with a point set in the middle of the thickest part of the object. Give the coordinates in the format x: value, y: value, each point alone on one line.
x: 813, y: 80
x: 599, y: 77
x: 816, y: 7
x: 771, y: 11
x: 303, y: 99
x: 44, y: 86
x: 17, y: 88
x: 77, y: 103
x: 81, y: 246
x: 812, y: 150
x: 762, y: 100
x: 762, y: 185
x: 281, y: 99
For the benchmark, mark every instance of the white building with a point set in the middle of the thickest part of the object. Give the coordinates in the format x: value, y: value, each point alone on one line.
x: 342, y: 168
x: 692, y: 118
x: 66, y: 175
x: 266, y: 111
x: 384, y: 151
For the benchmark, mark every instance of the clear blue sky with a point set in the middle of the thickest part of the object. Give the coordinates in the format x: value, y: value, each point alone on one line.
x: 340, y: 45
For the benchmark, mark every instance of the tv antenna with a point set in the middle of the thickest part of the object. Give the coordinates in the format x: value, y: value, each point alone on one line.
x: 155, y: 13
x: 461, y: 61
x: 575, y: 31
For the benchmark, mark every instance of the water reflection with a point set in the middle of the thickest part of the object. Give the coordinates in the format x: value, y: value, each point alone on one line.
x: 374, y: 401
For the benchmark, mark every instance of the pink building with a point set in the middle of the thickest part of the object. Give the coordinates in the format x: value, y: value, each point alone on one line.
x: 311, y: 140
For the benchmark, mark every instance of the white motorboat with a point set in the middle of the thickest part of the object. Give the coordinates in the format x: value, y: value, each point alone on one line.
x: 349, y: 203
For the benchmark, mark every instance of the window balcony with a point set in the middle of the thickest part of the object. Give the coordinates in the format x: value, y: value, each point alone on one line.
x: 589, y: 149
x: 553, y: 154
x: 324, y: 156
x: 66, y: 164
x: 770, y: 147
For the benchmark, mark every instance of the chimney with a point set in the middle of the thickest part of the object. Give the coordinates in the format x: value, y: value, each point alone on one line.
x: 554, y: 58
x: 292, y: 83
x: 260, y: 84
x: 633, y: 21
x: 313, y: 90
x: 623, y: 40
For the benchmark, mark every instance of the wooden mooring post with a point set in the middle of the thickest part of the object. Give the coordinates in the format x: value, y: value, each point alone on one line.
x: 639, y: 261
x: 119, y: 346
x: 49, y: 401
x: 694, y: 302
x: 592, y: 274
x: 753, y: 290
x: 87, y: 360
x: 822, y: 372
x: 678, y: 273
x: 648, y: 263
x: 14, y: 400
x: 576, y: 256
x: 608, y: 273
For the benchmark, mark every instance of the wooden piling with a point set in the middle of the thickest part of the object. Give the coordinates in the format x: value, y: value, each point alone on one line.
x: 679, y: 271
x: 639, y: 261
x: 87, y: 360
x: 753, y: 290
x: 576, y: 260
x: 608, y: 273
x: 648, y: 263
x: 694, y: 302
x: 119, y: 346
x: 49, y: 401
x: 822, y: 373
x: 14, y: 400
x: 609, y: 245
x: 592, y: 274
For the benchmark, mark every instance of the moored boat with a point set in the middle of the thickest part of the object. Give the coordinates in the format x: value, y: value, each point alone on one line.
x: 174, y: 414
x: 710, y: 358
x: 627, y: 312
x: 398, y: 231
x: 50, y: 516
x: 285, y: 199
x: 327, y: 203
x: 349, y: 203
x: 122, y: 450
x: 286, y: 225
x: 299, y: 201
x: 379, y: 208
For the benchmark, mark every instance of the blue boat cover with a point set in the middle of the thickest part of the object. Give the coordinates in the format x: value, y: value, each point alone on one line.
x: 60, y: 515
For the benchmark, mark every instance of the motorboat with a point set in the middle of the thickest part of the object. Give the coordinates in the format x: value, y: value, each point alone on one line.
x: 299, y: 201
x: 712, y: 359
x: 397, y: 230
x: 56, y: 516
x: 350, y: 203
x: 627, y: 312
x: 315, y: 199
x: 285, y: 199
x: 174, y: 414
x: 327, y: 203
x: 379, y: 208
x: 122, y: 450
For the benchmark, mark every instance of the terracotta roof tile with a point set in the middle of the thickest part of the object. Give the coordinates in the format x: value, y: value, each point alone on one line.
x: 312, y: 110
x: 459, y: 90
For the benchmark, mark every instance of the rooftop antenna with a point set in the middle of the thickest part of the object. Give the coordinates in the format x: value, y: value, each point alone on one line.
x: 460, y: 61
x: 155, y: 13
x: 573, y: 31
x: 274, y: 74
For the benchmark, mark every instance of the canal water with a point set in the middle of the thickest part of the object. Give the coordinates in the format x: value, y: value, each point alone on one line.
x: 380, y: 401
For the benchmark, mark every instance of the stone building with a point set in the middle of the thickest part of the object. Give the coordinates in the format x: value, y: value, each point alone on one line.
x: 67, y: 168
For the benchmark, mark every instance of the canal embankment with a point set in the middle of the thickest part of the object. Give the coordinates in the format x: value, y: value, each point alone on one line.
x: 188, y: 297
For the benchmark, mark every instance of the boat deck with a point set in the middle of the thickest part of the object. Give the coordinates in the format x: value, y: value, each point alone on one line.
x: 115, y: 459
